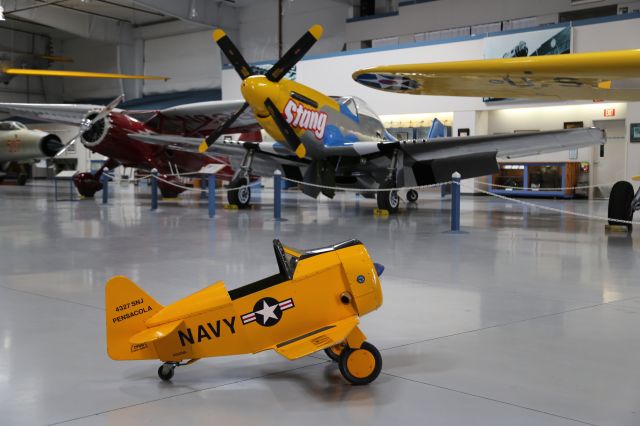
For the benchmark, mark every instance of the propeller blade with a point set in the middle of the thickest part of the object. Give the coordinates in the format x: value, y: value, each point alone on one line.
x: 232, y: 53
x: 68, y: 144
x: 86, y: 123
x: 292, y: 140
x: 220, y: 129
x: 320, y: 172
x: 293, y: 55
x: 105, y: 111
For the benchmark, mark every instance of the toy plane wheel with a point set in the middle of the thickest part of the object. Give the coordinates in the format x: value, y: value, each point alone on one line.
x: 360, y: 366
x: 166, y: 370
x: 412, y: 196
x: 334, y: 351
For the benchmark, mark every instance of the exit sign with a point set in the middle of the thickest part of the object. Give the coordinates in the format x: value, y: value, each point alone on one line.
x: 610, y: 112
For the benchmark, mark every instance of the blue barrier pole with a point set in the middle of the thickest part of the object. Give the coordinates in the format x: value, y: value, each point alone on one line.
x: 104, y: 179
x: 212, y: 195
x: 277, y: 195
x: 154, y: 189
x: 202, y: 186
x: 455, y: 202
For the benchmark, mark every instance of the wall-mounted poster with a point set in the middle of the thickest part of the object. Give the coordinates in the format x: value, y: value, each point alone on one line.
x: 554, y: 41
x: 635, y: 132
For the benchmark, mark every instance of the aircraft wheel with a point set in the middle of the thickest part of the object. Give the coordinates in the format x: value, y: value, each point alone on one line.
x: 22, y: 179
x: 334, y: 351
x: 620, y: 203
x: 412, y: 196
x: 360, y: 366
x: 240, y: 197
x: 165, y: 372
x: 388, y: 200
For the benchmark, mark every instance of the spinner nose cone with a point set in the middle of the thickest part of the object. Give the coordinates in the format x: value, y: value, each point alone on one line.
x: 256, y: 89
x: 379, y: 268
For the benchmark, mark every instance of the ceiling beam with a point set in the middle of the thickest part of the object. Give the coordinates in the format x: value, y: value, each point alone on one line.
x: 210, y: 14
x: 79, y: 23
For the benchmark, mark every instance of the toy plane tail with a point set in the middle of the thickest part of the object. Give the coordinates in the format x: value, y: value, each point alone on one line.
x: 128, y: 307
x: 437, y: 130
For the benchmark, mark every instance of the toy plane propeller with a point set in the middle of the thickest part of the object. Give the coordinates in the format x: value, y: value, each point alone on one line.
x: 312, y: 304
x: 599, y: 75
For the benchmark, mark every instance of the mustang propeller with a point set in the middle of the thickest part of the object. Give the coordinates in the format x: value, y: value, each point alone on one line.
x: 274, y: 75
x: 86, y: 123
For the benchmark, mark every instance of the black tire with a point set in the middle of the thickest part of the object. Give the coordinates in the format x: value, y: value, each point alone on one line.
x: 335, y: 351
x: 241, y: 197
x: 165, y: 371
x: 620, y: 203
x: 22, y: 179
x: 353, y: 377
x: 412, y: 196
x: 388, y: 200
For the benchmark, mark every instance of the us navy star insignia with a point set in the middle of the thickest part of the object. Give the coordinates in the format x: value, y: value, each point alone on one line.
x: 267, y: 311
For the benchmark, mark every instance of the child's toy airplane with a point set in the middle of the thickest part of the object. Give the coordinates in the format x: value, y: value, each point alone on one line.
x: 313, y: 303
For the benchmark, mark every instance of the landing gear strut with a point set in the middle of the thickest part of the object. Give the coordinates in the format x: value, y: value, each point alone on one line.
x: 387, y: 198
x: 241, y: 197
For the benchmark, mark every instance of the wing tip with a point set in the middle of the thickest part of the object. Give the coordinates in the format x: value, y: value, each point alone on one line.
x: 218, y: 34
x: 203, y: 146
x: 316, y: 31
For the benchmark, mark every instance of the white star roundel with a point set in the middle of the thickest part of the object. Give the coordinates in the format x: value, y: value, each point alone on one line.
x: 267, y: 311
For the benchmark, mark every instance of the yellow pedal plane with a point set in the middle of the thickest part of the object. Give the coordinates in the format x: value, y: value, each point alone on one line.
x: 313, y: 303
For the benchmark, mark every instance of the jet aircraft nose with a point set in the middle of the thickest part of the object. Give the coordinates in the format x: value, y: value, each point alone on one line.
x: 256, y: 89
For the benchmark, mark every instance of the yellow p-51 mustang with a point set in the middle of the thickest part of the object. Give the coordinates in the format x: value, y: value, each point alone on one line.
x: 313, y: 303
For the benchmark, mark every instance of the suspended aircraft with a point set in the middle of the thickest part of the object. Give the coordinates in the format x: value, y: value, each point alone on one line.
x: 20, y: 145
x: 608, y: 76
x: 328, y: 141
x: 611, y: 76
x: 15, y: 63
x: 313, y: 303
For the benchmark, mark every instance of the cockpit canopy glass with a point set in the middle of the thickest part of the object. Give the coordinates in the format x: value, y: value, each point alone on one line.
x: 11, y: 125
x: 356, y: 106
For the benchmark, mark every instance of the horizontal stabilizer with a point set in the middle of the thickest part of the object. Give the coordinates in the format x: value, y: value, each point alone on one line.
x: 316, y: 340
x: 155, y: 333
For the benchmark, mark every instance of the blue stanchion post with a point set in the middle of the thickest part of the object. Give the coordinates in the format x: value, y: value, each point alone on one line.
x: 277, y: 195
x: 202, y: 186
x: 211, y: 180
x: 455, y: 202
x: 154, y: 189
x: 104, y: 179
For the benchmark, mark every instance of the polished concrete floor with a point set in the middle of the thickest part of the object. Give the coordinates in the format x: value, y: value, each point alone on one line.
x: 530, y: 318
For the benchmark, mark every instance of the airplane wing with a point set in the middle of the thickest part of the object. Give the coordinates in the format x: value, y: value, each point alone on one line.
x: 601, y: 76
x: 317, y: 340
x: 56, y: 113
x: 268, y: 156
x: 201, y: 118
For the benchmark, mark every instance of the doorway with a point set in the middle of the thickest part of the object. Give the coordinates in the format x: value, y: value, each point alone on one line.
x: 610, y: 161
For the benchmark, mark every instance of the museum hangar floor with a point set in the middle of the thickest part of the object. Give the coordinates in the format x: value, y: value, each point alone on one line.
x: 530, y: 318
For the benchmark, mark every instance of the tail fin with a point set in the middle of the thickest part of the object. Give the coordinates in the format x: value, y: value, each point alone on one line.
x: 437, y: 130
x: 128, y: 307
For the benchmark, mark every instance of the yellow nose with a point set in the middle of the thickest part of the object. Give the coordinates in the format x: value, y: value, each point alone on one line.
x: 256, y: 89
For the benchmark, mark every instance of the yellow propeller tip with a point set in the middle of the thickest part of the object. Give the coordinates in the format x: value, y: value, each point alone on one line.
x: 301, y: 151
x: 203, y: 147
x: 636, y: 178
x: 218, y: 34
x: 316, y: 31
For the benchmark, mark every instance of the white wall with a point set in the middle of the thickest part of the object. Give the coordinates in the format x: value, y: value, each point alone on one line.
x: 191, y: 60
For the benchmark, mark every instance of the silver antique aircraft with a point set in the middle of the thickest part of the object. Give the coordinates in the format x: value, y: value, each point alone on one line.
x: 323, y: 141
x: 19, y: 146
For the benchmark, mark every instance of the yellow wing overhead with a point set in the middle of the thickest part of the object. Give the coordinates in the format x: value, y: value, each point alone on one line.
x: 611, y: 76
x: 85, y: 74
